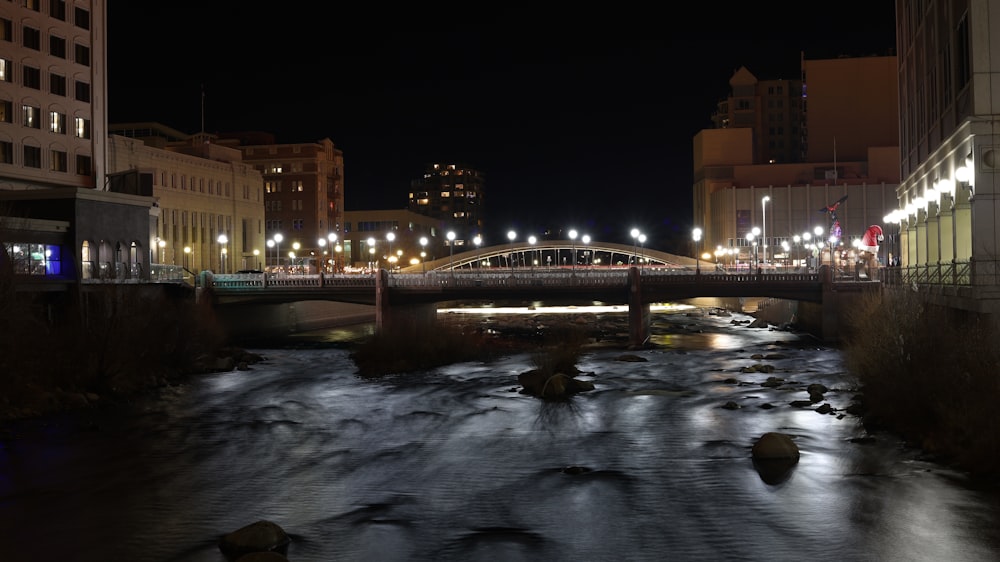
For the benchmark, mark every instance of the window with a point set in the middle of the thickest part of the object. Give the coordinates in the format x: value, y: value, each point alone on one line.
x: 81, y: 128
x: 273, y: 169
x: 298, y: 224
x: 81, y: 18
x: 83, y: 165
x: 57, y: 122
x: 5, y: 69
x: 59, y: 161
x: 6, y: 29
x: 82, y: 54
x: 32, y: 116
x: 296, y: 185
x: 6, y: 111
x: 31, y: 38
x: 57, y: 84
x: 82, y: 91
x: 32, y: 157
x: 32, y: 77
x: 6, y: 152
x: 57, y: 9
x: 57, y: 46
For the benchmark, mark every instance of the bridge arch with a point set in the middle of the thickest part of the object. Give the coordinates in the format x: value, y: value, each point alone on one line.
x: 553, y: 254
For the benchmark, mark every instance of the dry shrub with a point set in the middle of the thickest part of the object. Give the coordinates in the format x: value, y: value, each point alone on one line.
x: 929, y: 373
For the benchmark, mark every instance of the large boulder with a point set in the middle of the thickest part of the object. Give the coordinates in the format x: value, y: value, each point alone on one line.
x: 262, y: 536
x: 549, y: 386
x: 774, y: 456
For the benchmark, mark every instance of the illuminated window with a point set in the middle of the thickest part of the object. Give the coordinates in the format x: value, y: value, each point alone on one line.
x: 57, y: 122
x: 5, y: 68
x: 59, y: 161
x: 81, y: 128
x: 445, y: 194
x: 32, y: 117
x: 273, y: 169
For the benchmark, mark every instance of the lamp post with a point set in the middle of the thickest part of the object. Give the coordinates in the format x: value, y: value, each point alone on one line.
x: 532, y: 240
x: 756, y: 253
x: 187, y: 252
x: 451, y: 251
x: 572, y: 237
x: 332, y: 237
x: 696, y: 236
x: 478, y: 240
x: 763, y: 235
x: 270, y: 244
x: 223, y: 240
x: 423, y: 254
x: 337, y: 257
x: 586, y: 253
x: 390, y: 236
x: 256, y: 259
x: 277, y: 249
x: 371, y: 253
x: 511, y: 235
x: 295, y: 247
x: 322, y: 247
x: 635, y: 238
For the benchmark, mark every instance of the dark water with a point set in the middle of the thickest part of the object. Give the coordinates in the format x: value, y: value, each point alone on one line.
x: 455, y: 464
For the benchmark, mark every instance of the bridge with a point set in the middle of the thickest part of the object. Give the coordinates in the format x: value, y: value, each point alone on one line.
x: 403, y: 298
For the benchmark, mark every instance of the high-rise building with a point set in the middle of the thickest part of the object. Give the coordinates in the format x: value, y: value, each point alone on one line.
x: 783, y: 150
x: 949, y: 125
x: 53, y: 110
x: 453, y: 194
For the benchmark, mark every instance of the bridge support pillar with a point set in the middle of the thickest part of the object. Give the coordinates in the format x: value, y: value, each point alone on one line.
x: 638, y: 310
x: 409, y: 320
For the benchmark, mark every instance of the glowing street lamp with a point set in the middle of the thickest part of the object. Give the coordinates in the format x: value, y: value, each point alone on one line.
x: 532, y: 240
x: 478, y: 240
x: 423, y: 254
x: 635, y: 238
x: 696, y: 236
x: 390, y: 236
x: 295, y: 246
x: 371, y: 252
x: 187, y: 252
x: 277, y: 248
x: 763, y: 235
x: 223, y: 240
x: 586, y: 253
x: 451, y: 251
x: 511, y: 235
x: 642, y: 246
x: 256, y: 258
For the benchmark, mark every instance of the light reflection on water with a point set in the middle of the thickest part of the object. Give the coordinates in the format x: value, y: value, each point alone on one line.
x: 454, y: 464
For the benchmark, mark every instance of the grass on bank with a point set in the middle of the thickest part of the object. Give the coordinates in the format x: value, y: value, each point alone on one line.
x: 929, y: 374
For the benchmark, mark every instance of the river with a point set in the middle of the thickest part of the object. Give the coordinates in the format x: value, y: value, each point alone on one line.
x: 454, y: 463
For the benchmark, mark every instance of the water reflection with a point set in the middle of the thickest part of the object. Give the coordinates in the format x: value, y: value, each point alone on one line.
x: 455, y: 464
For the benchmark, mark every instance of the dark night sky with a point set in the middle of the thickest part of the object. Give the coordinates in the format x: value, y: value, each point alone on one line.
x: 581, y: 120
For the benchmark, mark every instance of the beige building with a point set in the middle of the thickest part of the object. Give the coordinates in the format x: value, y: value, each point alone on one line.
x: 365, y: 231
x: 949, y: 127
x: 209, y: 210
x: 741, y: 186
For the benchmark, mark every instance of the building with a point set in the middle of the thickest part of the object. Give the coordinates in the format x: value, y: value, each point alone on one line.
x: 949, y: 125
x: 765, y: 175
x: 209, y: 203
x: 373, y: 238
x: 453, y: 194
x: 303, y: 192
x: 53, y: 142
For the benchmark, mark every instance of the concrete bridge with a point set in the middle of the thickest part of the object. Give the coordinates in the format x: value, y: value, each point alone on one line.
x: 403, y: 300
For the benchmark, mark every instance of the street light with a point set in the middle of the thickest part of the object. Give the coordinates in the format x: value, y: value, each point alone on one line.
x: 477, y: 241
x: 756, y: 237
x: 295, y: 246
x: 332, y: 237
x: 586, y: 253
x: 451, y: 251
x: 532, y: 240
x: 187, y: 252
x: 256, y: 258
x: 753, y: 245
x: 635, y: 237
x: 390, y: 236
x: 277, y: 249
x: 763, y: 236
x: 371, y: 252
x: 423, y: 254
x: 696, y: 236
x: 223, y: 240
x: 511, y: 235
x: 572, y: 237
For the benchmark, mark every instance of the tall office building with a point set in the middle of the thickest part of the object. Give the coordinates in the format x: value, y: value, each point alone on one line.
x: 453, y: 194
x: 53, y: 110
x: 949, y: 125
